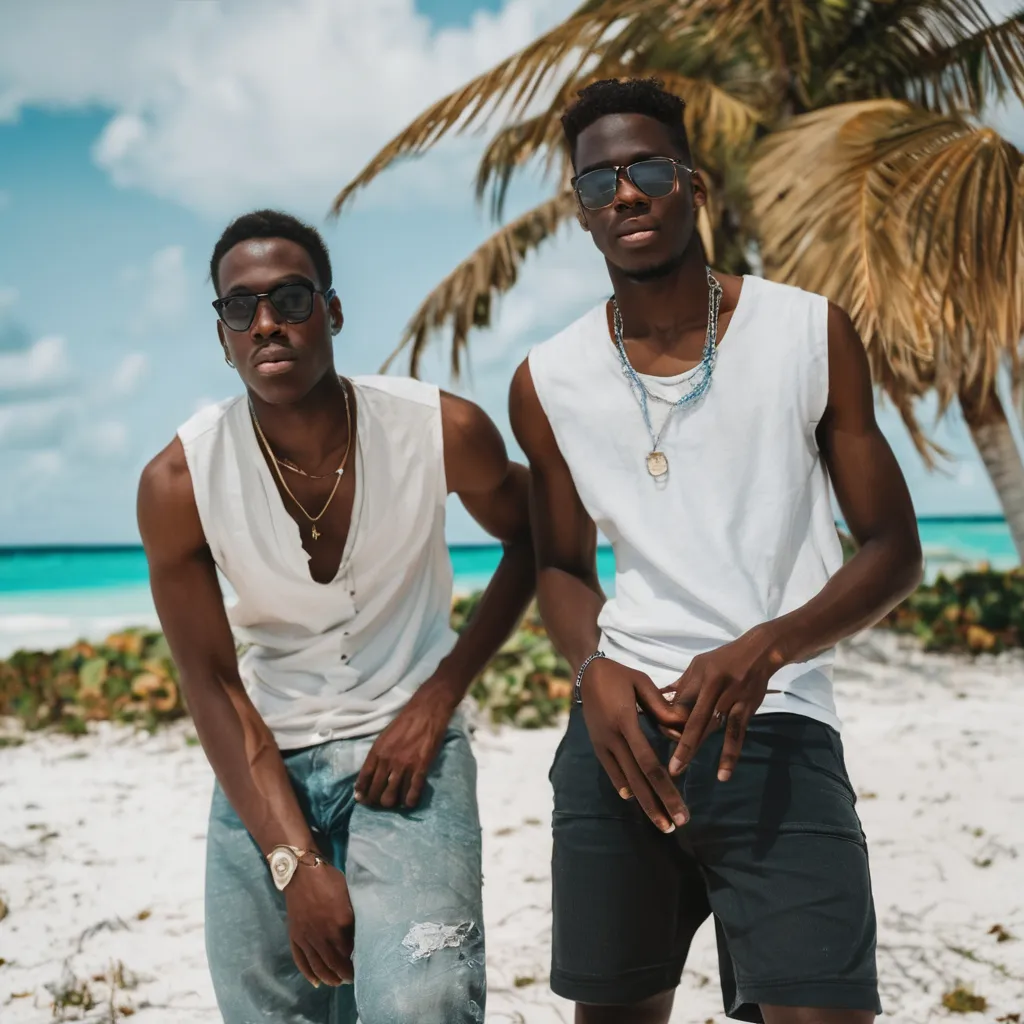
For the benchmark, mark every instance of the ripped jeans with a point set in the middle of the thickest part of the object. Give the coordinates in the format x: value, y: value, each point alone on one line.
x: 414, y: 879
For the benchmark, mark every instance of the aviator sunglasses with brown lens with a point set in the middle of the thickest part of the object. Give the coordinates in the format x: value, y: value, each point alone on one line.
x: 293, y: 302
x: 655, y: 177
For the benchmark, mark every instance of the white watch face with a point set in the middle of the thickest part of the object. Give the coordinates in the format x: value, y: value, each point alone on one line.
x: 282, y: 866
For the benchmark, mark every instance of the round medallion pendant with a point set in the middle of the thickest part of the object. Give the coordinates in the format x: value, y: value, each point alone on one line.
x: 657, y: 464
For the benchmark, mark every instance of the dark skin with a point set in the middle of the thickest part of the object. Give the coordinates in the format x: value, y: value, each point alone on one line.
x: 660, y: 284
x: 301, y: 408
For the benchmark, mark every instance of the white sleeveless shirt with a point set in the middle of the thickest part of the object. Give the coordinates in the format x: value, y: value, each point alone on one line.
x: 741, y: 531
x: 336, y: 660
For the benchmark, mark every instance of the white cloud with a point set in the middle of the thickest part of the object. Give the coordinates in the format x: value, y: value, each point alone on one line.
x: 555, y: 286
x: 46, y: 463
x: 43, y: 365
x: 107, y: 438
x: 223, y: 106
x: 35, y: 425
x: 8, y: 297
x: 128, y: 373
x: 966, y: 475
x: 45, y: 407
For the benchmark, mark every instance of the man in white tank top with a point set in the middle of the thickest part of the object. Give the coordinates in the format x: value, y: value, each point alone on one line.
x: 344, y: 842
x: 695, y: 420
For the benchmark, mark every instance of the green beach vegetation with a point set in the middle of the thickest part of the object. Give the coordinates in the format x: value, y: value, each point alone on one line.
x: 131, y: 678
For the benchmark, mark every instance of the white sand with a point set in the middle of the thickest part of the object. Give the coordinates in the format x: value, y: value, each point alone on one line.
x: 101, y: 854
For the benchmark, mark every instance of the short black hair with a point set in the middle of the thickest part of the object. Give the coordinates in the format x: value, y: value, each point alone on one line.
x: 273, y: 224
x: 625, y: 96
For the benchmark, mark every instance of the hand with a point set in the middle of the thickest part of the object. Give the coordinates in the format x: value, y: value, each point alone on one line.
x: 723, y: 687
x: 610, y: 694
x: 321, y: 924
x: 396, y: 767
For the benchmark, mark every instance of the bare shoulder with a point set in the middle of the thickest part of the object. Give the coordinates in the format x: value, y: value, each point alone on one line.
x: 166, y: 477
x: 851, y: 398
x: 522, y: 386
x: 530, y: 423
x: 841, y: 326
x: 167, y: 513
x: 466, y: 425
x: 474, y: 452
x: 524, y: 406
x: 848, y: 361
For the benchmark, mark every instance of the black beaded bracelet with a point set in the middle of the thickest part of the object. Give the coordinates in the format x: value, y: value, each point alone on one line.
x: 576, y: 696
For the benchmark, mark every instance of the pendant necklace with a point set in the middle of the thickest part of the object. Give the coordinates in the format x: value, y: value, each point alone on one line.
x: 277, y: 463
x: 657, y: 461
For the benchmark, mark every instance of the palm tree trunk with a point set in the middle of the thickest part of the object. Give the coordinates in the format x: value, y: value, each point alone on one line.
x: 990, y: 430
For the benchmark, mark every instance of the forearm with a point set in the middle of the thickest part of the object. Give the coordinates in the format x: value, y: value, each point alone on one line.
x: 248, y: 764
x: 569, y: 605
x: 499, y: 610
x: 880, y: 575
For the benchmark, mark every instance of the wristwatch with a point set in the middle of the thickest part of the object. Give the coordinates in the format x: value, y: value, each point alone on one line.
x: 284, y: 860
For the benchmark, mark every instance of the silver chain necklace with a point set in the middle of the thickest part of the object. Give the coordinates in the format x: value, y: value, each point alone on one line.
x: 657, y: 461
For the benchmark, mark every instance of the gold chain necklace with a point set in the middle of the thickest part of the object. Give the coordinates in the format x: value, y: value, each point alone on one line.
x: 285, y: 464
x: 340, y: 471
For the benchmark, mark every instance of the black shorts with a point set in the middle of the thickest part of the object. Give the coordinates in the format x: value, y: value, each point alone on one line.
x: 777, y: 854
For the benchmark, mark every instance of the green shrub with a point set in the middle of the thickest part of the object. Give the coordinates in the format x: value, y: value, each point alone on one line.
x: 981, y: 611
x: 527, y: 682
x: 130, y: 677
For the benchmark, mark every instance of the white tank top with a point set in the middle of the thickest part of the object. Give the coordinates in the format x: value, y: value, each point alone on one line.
x: 741, y: 530
x: 333, y: 660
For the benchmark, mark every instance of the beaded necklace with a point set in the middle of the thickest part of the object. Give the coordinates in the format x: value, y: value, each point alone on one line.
x: 657, y: 461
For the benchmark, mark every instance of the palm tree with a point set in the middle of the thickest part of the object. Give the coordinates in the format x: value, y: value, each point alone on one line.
x: 913, y: 222
x: 841, y: 144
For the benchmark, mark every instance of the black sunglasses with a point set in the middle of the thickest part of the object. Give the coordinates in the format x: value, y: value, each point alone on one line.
x: 294, y: 303
x: 655, y: 177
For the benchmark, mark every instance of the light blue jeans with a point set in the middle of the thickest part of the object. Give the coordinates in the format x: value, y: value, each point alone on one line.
x: 414, y: 878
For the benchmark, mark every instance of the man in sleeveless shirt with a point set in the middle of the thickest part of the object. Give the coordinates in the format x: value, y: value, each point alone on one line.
x: 695, y: 419
x: 344, y: 842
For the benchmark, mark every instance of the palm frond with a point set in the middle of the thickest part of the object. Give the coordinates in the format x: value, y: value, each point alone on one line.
x: 465, y: 298
x: 965, y: 215
x: 818, y: 215
x: 714, y: 117
x: 705, y: 224
x: 602, y: 36
x: 729, y: 222
x: 514, y: 82
x: 517, y: 144
x: 946, y: 55
x: 975, y: 71
x: 903, y: 383
x: 914, y: 223
x: 512, y: 148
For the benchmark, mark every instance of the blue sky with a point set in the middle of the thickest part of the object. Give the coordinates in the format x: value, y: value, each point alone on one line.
x: 119, y: 168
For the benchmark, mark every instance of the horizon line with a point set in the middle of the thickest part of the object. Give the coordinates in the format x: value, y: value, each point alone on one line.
x: 98, y: 548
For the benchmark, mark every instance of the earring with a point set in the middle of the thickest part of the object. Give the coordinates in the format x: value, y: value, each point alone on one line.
x: 228, y: 361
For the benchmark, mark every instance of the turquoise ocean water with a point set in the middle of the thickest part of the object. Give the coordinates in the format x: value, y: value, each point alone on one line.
x: 51, y: 596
